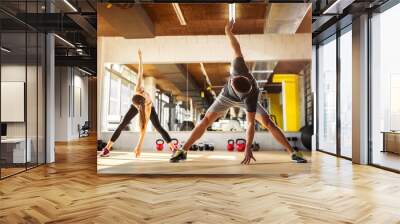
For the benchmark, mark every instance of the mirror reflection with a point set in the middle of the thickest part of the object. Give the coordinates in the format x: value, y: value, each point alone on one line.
x: 181, y: 94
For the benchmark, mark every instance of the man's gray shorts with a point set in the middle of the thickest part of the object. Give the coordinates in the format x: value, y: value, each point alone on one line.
x: 222, y: 104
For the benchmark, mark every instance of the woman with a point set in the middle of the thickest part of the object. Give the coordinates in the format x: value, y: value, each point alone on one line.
x: 141, y: 103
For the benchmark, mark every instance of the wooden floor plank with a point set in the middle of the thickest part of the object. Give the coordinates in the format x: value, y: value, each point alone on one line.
x: 70, y: 191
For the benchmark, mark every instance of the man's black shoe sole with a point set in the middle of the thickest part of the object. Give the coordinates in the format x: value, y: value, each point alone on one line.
x: 301, y: 161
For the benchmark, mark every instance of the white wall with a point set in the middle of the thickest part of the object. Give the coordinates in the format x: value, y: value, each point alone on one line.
x: 203, y: 48
x: 33, y: 127
x: 68, y: 83
x: 79, y: 118
x: 12, y: 73
x: 61, y: 103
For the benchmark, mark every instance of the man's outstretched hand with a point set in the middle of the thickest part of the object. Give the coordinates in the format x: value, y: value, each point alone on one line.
x: 248, y: 157
x: 229, y: 27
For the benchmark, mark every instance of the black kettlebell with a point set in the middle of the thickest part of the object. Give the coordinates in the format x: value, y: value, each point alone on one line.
x: 255, y: 147
x: 194, y: 147
x: 206, y: 147
x: 211, y: 147
x: 201, y: 146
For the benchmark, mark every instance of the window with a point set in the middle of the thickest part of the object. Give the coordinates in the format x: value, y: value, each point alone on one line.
x: 385, y: 88
x: 327, y: 96
x: 126, y: 96
x: 346, y: 94
x: 165, y: 111
x: 118, y: 91
x: 114, y: 98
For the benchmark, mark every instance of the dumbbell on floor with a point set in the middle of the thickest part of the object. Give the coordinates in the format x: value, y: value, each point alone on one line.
x: 194, y: 147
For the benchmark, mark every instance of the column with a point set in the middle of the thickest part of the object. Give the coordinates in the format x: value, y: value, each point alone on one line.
x: 360, y: 90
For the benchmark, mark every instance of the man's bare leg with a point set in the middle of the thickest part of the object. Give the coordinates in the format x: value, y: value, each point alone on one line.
x: 276, y: 132
x: 200, y: 128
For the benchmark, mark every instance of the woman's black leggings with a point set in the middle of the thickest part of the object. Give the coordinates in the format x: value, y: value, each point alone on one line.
x: 154, y: 120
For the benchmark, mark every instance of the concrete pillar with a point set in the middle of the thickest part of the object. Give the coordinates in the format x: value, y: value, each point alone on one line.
x: 101, y: 107
x: 360, y: 90
x: 150, y: 88
x: 314, y: 94
x: 50, y: 98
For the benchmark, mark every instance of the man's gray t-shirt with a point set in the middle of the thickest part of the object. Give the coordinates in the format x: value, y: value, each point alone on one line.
x: 239, y: 68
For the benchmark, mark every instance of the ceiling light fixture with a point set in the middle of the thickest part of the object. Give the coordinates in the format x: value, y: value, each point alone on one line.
x: 203, y: 70
x: 70, y: 5
x: 5, y: 50
x: 262, y: 81
x: 337, y: 7
x: 84, y: 71
x: 263, y: 71
x: 64, y: 40
x: 179, y: 14
x: 232, y: 12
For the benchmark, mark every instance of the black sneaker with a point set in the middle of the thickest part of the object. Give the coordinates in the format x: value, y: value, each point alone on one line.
x: 298, y: 157
x: 178, y: 155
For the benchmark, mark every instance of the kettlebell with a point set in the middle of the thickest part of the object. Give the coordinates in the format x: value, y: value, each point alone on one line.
x: 201, y: 146
x: 194, y: 147
x: 175, y: 142
x: 206, y: 147
x: 231, y: 145
x: 211, y: 147
x: 240, y: 144
x: 159, y: 144
x: 255, y: 147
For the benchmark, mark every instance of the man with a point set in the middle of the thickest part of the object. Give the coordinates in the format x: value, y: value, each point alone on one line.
x: 240, y: 91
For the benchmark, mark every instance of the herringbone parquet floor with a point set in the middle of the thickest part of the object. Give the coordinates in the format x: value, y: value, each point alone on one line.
x: 70, y: 191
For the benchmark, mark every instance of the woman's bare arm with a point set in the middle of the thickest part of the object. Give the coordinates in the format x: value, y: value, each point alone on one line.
x: 138, y: 148
x: 139, y: 85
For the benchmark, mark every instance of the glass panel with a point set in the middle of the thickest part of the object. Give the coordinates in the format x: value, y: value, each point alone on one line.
x: 22, y: 81
x: 41, y: 98
x: 385, y: 84
x: 346, y: 94
x: 31, y: 98
x: 327, y: 96
x: 14, y: 154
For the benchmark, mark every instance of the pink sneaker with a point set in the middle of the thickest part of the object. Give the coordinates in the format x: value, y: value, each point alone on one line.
x: 105, y: 152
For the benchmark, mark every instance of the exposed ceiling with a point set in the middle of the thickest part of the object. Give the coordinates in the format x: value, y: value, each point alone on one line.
x: 131, y: 22
x: 330, y: 16
x: 74, y: 22
x: 201, y: 19
x: 290, y: 67
x: 216, y: 72
x: 206, y: 19
x: 306, y: 24
x: 286, y: 17
x: 162, y: 79
x: 151, y: 20
x: 175, y: 79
